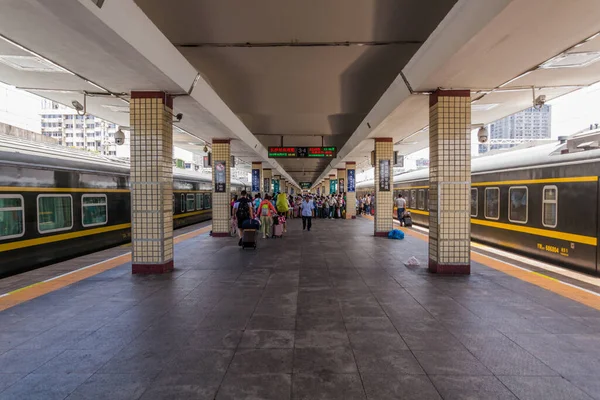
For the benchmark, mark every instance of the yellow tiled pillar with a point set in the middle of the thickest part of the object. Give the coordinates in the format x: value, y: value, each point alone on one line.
x: 450, y: 182
x: 257, y: 175
x: 384, y: 202
x: 283, y: 186
x: 221, y: 177
x: 350, y: 190
x: 267, y: 187
x: 326, y: 187
x: 151, y: 182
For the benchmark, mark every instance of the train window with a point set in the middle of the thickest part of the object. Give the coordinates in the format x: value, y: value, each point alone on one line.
x: 199, y: 205
x: 550, y: 207
x: 207, y: 203
x: 413, y: 199
x: 191, y: 202
x: 492, y: 203
x: 421, y: 199
x: 94, y: 209
x: 12, y: 217
x: 183, y: 203
x: 474, y: 202
x: 55, y: 212
x: 517, y: 205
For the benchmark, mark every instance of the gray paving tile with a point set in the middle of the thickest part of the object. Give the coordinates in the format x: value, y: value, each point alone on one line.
x: 191, y: 359
x: 306, y: 339
x: 327, y: 386
x: 390, y: 386
x: 471, y: 387
x: 377, y: 340
x: 267, y: 339
x: 335, y: 360
x: 268, y: 322
x: 44, y: 387
x: 76, y: 361
x: 174, y: 385
x: 262, y: 361
x: 204, y: 339
x: 251, y: 387
x: 8, y: 379
x: 431, y: 341
x: 543, y: 388
x: 586, y: 383
x: 450, y: 363
x: 25, y: 361
x: 386, y: 361
x: 113, y: 387
x: 358, y: 324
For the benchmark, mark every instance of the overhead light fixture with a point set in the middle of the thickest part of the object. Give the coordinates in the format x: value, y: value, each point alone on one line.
x: 30, y: 64
x: 39, y: 56
x: 483, y: 107
x: 572, y: 60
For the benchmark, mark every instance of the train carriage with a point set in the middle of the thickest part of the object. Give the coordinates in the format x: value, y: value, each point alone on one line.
x: 54, y: 206
x: 537, y: 201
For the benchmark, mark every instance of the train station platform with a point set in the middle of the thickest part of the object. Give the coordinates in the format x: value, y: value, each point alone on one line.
x: 329, y: 314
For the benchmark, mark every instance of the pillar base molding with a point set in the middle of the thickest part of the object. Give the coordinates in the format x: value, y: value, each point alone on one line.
x: 152, y: 268
x: 381, y: 234
x: 449, y: 269
x: 220, y: 234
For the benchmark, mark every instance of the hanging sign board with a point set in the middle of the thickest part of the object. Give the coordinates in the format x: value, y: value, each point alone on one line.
x: 305, y: 185
x: 275, y: 186
x: 220, y: 176
x: 384, y: 175
x: 351, y: 180
x: 267, y: 185
x: 302, y: 152
x: 333, y: 186
x: 256, y: 180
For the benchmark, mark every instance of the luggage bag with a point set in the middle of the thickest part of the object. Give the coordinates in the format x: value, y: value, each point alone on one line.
x: 407, y: 221
x: 249, y: 238
x: 277, y: 231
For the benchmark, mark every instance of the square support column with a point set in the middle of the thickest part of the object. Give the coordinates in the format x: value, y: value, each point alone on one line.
x: 151, y: 115
x: 341, y: 179
x: 267, y: 186
x: 221, y: 177
x: 350, y: 190
x: 276, y: 184
x: 450, y: 182
x: 384, y: 202
x: 326, y: 187
x: 257, y: 175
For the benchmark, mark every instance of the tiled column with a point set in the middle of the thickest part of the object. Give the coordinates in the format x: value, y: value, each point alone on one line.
x: 449, y: 182
x: 151, y: 182
x: 326, y: 187
x: 384, y: 202
x: 350, y: 195
x: 268, y: 188
x: 277, y: 178
x: 341, y: 177
x: 221, y: 207
x: 256, y: 166
x: 283, y: 186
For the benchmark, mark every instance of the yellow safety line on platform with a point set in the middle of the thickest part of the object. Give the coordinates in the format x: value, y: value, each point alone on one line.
x: 559, y: 287
x: 35, y: 290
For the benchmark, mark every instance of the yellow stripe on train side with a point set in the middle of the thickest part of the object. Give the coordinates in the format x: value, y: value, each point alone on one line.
x: 58, y: 238
x: 191, y: 214
x: 60, y: 190
x: 534, y: 181
x: 569, y: 237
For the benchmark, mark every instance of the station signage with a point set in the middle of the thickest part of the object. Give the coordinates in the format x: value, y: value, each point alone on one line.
x: 220, y: 176
x: 256, y: 180
x: 351, y: 180
x: 384, y: 175
x: 302, y: 152
x: 305, y: 185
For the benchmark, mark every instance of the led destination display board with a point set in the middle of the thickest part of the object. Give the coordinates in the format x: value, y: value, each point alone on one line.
x: 302, y: 152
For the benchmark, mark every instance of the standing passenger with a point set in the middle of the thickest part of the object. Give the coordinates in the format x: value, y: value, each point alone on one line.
x: 266, y: 212
x: 401, y: 206
x: 307, y: 208
x: 243, y: 211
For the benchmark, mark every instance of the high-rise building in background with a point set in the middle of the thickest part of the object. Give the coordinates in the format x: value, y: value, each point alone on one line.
x: 525, y: 126
x: 80, y: 131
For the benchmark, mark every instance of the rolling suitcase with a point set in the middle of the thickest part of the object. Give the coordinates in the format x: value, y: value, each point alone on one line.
x: 249, y: 238
x: 407, y: 221
x: 277, y: 231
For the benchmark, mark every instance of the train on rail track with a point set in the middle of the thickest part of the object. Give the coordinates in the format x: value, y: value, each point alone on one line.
x: 542, y: 202
x: 58, y: 203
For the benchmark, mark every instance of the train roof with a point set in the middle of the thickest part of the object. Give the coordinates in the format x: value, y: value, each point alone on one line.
x: 14, y: 150
x: 531, y: 157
